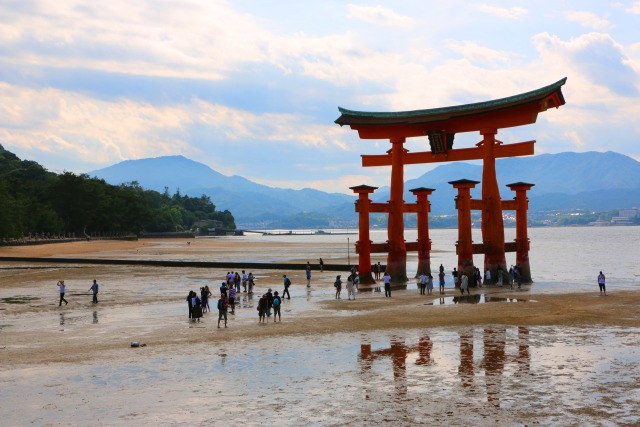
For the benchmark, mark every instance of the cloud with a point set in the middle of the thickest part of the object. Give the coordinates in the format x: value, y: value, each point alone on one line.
x: 594, y: 56
x: 502, y: 12
x: 588, y: 19
x: 635, y: 8
x: 378, y: 15
x: 477, y: 53
x: 190, y: 39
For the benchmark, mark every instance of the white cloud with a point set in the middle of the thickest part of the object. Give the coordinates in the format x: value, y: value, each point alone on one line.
x: 378, y: 15
x: 192, y: 39
x: 635, y: 8
x: 475, y: 52
x: 588, y: 19
x: 503, y: 12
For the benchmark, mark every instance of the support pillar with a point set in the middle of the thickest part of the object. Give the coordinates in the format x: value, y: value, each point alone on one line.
x: 424, y: 242
x: 522, y: 236
x: 363, y: 207
x: 464, y: 246
x: 492, y: 223
x: 397, y: 256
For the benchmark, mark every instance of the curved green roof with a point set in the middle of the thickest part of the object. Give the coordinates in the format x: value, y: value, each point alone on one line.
x: 351, y: 117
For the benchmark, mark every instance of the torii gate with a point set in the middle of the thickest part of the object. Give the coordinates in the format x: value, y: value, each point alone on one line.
x: 441, y: 125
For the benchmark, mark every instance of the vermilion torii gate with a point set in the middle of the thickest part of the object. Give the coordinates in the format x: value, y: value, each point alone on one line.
x: 440, y: 125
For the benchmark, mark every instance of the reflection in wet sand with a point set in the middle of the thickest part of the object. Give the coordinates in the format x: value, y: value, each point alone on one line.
x: 473, y: 299
x: 334, y: 379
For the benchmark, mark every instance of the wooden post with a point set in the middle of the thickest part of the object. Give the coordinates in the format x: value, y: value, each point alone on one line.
x: 492, y: 223
x: 424, y: 242
x: 397, y: 256
x: 522, y: 236
x: 464, y: 247
x: 363, y: 207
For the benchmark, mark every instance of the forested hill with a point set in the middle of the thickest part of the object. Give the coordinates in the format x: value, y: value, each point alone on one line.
x: 34, y: 200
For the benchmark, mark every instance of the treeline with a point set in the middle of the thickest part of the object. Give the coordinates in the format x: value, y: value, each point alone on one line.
x: 34, y: 200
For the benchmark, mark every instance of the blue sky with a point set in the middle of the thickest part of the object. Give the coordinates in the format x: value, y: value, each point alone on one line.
x: 252, y: 88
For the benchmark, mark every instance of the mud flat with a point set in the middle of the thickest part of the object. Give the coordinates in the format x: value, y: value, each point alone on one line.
x: 554, y: 355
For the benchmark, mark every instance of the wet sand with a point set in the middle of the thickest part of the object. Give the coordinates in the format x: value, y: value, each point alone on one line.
x: 146, y: 304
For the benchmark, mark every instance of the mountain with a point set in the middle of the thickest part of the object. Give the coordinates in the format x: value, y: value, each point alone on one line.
x: 592, y: 180
x: 249, y: 202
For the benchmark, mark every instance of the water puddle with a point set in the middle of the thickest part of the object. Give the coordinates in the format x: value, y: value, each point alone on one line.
x: 474, y: 299
x: 18, y: 300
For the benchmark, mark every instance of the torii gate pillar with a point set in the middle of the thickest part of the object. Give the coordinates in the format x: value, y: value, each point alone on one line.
x: 464, y: 247
x: 522, y: 238
x: 397, y: 255
x: 492, y: 223
x: 424, y: 242
x: 363, y: 207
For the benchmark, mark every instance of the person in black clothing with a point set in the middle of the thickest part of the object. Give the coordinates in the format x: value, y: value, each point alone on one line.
x: 62, y: 290
x: 189, y: 298
x: 287, y: 283
x: 269, y: 302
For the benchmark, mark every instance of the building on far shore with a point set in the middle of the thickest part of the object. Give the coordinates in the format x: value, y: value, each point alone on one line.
x: 625, y: 217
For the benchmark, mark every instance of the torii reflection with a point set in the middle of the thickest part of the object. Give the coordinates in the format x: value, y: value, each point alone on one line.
x: 494, y: 359
x: 398, y: 352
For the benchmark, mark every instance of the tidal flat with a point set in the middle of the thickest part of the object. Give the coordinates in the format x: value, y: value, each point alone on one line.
x: 570, y: 358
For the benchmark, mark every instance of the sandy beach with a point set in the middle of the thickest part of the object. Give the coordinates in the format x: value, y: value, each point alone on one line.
x: 146, y: 304
x: 406, y: 309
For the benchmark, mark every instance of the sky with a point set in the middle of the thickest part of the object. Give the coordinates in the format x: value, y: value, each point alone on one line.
x: 252, y: 88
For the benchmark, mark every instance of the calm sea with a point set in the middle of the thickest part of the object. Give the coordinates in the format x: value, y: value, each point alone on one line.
x: 559, y: 256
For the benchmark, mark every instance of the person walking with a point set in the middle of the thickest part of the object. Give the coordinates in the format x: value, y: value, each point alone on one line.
x: 517, y: 276
x: 287, y: 283
x: 94, y: 288
x: 387, y: 284
x: 500, y: 275
x: 276, y: 306
x: 263, y: 305
x: 269, y: 302
x: 204, y: 297
x: 455, y: 276
x: 464, y: 283
x: 189, y: 303
x: 236, y: 280
x: 196, y: 307
x: 250, y: 280
x: 308, y: 273
x: 351, y: 287
x: 232, y: 299
x: 429, y: 285
x: 422, y: 283
x: 62, y: 290
x: 601, y: 284
x: 321, y: 265
x: 245, y: 279
x: 222, y: 310
x: 338, y: 285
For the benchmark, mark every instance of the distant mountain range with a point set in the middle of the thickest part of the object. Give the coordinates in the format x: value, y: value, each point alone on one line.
x: 592, y: 180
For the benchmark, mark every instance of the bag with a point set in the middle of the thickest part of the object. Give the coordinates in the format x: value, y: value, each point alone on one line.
x: 276, y: 301
x: 220, y: 305
x: 287, y: 282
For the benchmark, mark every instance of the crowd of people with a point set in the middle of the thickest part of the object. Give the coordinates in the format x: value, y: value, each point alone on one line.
x: 236, y: 282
